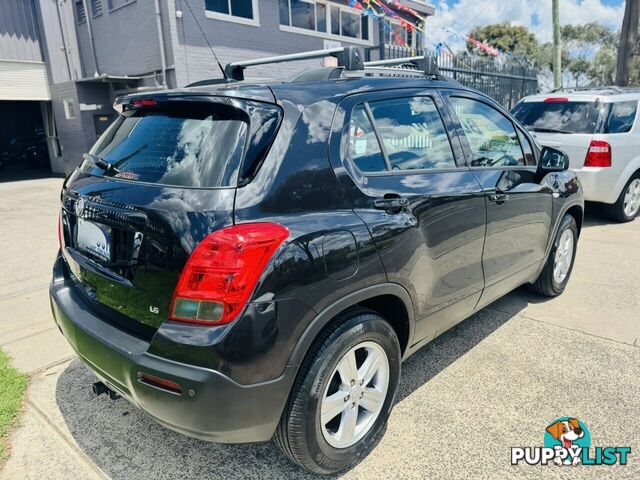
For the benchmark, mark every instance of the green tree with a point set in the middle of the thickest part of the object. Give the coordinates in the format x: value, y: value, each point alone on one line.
x: 514, y: 39
x: 587, y: 50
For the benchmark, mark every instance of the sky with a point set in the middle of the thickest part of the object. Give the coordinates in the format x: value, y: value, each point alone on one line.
x: 463, y: 15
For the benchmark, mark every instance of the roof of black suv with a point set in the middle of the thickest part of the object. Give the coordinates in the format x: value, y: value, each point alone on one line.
x: 304, y: 92
x: 315, y: 85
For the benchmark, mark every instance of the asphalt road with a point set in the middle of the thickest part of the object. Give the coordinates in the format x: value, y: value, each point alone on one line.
x: 493, y: 382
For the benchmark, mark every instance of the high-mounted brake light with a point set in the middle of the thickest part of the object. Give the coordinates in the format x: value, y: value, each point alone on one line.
x: 599, y: 154
x: 222, y: 272
x: 143, y: 102
x: 556, y: 99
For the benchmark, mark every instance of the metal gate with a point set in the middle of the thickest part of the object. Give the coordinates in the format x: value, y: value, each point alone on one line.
x: 503, y: 80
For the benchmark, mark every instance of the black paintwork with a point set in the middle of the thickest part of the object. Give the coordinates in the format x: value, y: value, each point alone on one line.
x: 445, y: 253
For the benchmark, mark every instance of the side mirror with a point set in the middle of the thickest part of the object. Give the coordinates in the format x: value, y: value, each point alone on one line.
x: 553, y: 160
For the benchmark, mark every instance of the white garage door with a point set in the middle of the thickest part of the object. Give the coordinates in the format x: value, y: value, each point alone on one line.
x: 23, y: 81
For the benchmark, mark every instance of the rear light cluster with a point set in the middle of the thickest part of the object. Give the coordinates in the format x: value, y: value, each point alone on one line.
x: 222, y: 271
x: 599, y: 154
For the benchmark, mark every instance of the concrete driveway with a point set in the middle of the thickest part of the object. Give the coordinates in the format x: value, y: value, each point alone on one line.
x: 493, y: 382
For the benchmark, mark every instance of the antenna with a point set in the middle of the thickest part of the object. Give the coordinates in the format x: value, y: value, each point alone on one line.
x: 224, y: 74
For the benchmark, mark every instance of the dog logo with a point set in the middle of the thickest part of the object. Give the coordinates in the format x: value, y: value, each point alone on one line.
x: 567, y: 441
x: 566, y: 433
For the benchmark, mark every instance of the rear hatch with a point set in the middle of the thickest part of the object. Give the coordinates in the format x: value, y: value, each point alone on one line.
x: 558, y: 122
x: 158, y: 181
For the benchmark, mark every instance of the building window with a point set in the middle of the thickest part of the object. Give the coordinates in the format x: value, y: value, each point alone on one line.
x: 96, y: 8
x: 69, y: 108
x: 81, y: 15
x: 327, y: 20
x: 398, y: 35
x: 241, y: 11
x: 115, y: 4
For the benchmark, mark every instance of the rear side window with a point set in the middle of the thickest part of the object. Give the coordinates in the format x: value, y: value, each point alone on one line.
x: 558, y: 116
x: 363, y: 145
x: 178, y: 146
x: 400, y: 134
x: 621, y: 117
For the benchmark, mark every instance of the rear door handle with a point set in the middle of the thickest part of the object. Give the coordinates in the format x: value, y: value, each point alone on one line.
x: 394, y: 203
x: 498, y: 198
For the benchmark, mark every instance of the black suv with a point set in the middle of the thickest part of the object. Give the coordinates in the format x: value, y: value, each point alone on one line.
x: 248, y: 260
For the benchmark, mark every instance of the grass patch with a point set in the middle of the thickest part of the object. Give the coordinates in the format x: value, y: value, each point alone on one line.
x: 12, y: 386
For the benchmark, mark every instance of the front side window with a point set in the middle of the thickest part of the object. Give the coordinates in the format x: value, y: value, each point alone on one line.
x: 411, y: 131
x: 326, y: 18
x: 491, y: 135
x: 621, y: 117
x: 240, y: 9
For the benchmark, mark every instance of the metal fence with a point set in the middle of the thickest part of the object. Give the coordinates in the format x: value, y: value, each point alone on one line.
x: 505, y: 81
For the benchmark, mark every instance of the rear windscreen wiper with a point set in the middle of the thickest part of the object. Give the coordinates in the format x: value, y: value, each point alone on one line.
x: 547, y: 130
x: 101, y: 163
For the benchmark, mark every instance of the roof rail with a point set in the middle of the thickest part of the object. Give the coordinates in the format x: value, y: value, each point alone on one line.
x: 350, y: 58
x: 426, y: 63
x: 600, y: 88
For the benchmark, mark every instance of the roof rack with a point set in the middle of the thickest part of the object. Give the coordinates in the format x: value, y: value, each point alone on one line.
x: 349, y: 58
x: 425, y: 64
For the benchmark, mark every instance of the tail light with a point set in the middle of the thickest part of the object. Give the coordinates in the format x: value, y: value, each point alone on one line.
x: 556, y: 100
x: 222, y: 271
x: 599, y: 154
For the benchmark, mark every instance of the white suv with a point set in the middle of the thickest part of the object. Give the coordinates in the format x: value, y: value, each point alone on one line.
x: 599, y: 129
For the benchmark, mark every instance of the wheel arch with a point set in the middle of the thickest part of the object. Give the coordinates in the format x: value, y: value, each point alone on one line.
x: 577, y: 212
x: 383, y: 299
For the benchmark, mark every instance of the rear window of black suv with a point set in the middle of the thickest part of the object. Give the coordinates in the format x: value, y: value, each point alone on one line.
x: 187, y: 144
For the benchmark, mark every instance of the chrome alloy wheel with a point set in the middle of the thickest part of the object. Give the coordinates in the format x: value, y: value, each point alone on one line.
x: 355, y: 395
x: 632, y: 198
x: 564, y: 256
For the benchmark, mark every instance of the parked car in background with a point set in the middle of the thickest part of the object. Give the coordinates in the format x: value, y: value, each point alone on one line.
x: 599, y: 129
x: 248, y: 260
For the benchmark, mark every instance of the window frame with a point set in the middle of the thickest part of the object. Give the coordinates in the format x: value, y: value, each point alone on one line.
x: 407, y: 32
x: 125, y: 3
x: 96, y: 5
x: 79, y: 5
x: 70, y: 109
x: 466, y: 146
x: 327, y: 34
x: 397, y: 172
x: 228, y: 17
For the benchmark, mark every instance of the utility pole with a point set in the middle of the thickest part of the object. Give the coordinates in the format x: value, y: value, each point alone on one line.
x: 557, y: 44
x: 628, y: 41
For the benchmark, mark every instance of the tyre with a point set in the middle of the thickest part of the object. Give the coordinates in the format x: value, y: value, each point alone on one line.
x: 628, y: 204
x: 343, y: 394
x: 557, y: 270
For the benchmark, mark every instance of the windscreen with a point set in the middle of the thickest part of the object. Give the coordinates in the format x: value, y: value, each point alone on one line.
x: 558, y: 117
x: 180, y: 145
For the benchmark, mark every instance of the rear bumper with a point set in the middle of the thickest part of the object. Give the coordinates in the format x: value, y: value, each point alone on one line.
x: 599, y: 184
x: 211, y: 406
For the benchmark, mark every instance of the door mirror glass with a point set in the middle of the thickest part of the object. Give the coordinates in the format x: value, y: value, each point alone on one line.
x: 553, y: 160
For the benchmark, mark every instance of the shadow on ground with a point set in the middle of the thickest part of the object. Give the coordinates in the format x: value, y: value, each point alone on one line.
x: 126, y: 444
